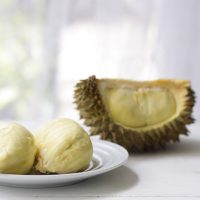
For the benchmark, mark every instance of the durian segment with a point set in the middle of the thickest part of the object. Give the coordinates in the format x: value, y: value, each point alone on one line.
x: 63, y: 147
x: 138, y: 115
x: 17, y: 149
x: 142, y: 105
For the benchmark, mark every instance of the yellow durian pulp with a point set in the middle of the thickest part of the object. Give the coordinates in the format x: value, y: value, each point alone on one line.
x: 63, y: 147
x: 143, y: 105
x: 17, y: 149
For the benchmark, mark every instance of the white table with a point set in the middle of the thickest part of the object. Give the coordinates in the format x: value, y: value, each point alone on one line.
x: 170, y: 174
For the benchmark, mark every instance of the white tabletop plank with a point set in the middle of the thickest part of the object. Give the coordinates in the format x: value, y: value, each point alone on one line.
x: 170, y: 174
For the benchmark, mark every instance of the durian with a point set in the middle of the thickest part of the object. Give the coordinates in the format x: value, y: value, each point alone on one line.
x: 140, y: 116
x: 63, y: 147
x: 17, y: 149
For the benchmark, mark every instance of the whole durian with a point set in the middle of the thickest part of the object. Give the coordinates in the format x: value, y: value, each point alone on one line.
x: 140, y: 116
x: 17, y: 149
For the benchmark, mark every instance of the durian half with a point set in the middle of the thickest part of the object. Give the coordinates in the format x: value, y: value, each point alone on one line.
x: 137, y: 115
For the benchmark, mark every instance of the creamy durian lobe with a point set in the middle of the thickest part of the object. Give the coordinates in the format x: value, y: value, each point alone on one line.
x: 63, y: 147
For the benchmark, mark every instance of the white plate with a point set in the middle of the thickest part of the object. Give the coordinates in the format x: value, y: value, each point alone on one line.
x: 107, y: 156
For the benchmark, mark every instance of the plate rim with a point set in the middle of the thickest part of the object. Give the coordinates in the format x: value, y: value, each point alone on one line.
x: 83, y: 174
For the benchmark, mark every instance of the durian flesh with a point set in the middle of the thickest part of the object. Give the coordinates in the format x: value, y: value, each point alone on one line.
x: 63, y: 147
x: 138, y: 115
x: 17, y: 149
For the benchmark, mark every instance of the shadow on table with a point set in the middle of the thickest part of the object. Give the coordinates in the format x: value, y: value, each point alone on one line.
x: 117, y: 180
x: 186, y: 147
x: 112, y: 182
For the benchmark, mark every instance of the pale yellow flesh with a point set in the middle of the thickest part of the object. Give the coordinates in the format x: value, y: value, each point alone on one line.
x: 140, y: 108
x: 141, y: 105
x: 63, y: 147
x: 17, y: 149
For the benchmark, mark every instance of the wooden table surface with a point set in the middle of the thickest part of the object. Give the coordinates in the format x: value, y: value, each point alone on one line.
x: 170, y: 174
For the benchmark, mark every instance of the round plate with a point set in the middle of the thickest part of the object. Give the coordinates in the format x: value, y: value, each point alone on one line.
x: 106, y: 156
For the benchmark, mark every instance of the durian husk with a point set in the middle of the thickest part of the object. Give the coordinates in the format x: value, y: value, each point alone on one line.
x: 92, y: 109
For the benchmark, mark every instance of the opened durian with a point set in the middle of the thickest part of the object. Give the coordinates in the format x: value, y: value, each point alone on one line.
x: 137, y: 115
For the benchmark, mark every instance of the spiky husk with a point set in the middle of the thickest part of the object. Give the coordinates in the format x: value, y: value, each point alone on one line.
x: 92, y: 110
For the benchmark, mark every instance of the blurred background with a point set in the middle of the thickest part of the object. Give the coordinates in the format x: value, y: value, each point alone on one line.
x: 47, y: 46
